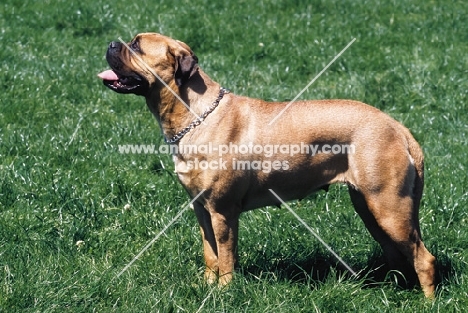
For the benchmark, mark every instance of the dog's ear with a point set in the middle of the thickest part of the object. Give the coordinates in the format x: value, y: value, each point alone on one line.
x: 186, y: 66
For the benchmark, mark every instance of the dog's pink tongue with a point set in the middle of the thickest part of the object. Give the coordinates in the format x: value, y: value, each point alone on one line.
x: 108, y: 75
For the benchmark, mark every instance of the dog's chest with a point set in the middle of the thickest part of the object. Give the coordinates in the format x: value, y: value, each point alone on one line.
x: 184, y: 169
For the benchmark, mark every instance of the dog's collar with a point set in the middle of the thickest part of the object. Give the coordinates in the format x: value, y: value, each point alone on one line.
x: 200, y: 119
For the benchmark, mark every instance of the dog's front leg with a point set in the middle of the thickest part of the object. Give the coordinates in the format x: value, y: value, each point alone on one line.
x: 219, y: 234
x: 226, y: 228
x: 210, y: 249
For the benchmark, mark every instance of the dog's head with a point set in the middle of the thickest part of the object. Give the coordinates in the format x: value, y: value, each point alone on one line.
x: 135, y: 67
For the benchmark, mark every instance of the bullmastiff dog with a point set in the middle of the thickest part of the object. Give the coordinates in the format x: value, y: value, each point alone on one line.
x: 241, y: 150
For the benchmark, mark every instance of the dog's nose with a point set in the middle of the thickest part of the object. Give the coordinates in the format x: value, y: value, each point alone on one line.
x: 113, y: 51
x: 114, y: 45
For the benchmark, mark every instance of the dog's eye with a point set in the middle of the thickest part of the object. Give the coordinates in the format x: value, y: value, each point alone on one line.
x: 135, y: 45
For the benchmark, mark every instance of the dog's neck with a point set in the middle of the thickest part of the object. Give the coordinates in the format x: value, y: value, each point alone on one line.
x: 171, y: 113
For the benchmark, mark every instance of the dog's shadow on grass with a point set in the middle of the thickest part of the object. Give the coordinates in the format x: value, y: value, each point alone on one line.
x: 318, y: 269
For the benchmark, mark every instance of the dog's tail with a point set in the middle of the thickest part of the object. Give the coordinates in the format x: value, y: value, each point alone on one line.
x: 417, y: 155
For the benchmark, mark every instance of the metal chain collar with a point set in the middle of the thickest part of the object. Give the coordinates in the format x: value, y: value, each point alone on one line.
x: 200, y: 119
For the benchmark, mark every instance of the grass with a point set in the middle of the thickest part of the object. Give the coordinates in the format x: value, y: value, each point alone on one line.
x: 63, y: 182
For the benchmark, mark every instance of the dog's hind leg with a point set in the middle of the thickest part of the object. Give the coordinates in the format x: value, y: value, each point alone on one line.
x: 394, y: 257
x: 391, y: 220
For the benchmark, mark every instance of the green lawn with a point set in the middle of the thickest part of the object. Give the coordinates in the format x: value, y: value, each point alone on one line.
x: 74, y: 211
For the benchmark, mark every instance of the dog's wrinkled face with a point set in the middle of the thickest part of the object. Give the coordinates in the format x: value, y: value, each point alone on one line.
x: 134, y: 69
